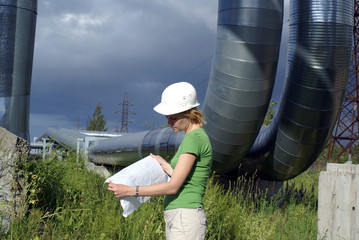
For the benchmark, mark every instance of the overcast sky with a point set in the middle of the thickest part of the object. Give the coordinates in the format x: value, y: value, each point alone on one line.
x: 89, y: 52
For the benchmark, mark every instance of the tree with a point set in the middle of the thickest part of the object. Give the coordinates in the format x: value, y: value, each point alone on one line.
x: 98, y: 122
x: 270, y: 113
x: 151, y: 125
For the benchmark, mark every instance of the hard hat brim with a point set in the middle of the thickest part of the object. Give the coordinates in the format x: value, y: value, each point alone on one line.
x: 165, y: 110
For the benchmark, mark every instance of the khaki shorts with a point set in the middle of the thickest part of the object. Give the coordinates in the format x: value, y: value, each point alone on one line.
x: 185, y: 223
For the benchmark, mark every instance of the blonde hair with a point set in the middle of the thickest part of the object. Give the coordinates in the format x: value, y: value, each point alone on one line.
x: 195, y: 116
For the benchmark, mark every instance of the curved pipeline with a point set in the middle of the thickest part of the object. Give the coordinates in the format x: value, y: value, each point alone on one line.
x: 318, y: 60
x: 17, y: 31
x: 242, y: 77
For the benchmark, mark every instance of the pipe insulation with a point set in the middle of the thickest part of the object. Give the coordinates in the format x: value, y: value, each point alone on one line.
x: 242, y: 77
x: 241, y: 83
x: 131, y: 147
x: 319, y: 50
x: 17, y: 33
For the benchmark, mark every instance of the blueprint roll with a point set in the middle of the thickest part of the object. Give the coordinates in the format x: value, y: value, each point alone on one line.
x: 146, y: 171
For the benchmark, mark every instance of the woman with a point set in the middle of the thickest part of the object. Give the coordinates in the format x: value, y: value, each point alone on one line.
x: 189, y: 168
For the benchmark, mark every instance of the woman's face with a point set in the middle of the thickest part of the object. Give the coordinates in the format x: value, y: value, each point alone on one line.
x: 178, y: 122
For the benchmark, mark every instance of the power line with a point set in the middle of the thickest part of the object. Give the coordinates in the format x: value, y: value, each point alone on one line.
x: 125, y: 111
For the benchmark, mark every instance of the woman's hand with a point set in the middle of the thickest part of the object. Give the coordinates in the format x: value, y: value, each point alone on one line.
x: 164, y: 164
x: 119, y: 190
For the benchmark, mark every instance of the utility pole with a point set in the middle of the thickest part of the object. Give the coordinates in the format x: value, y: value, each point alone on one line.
x: 125, y: 111
x: 345, y: 134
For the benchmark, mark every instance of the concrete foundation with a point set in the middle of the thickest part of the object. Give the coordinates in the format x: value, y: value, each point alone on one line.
x: 13, y: 150
x: 100, y: 170
x: 338, y: 202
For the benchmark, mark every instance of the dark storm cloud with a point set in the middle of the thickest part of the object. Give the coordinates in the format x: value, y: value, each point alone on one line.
x: 87, y: 52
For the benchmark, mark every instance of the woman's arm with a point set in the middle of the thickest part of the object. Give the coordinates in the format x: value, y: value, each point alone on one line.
x: 180, y: 173
x: 166, y: 166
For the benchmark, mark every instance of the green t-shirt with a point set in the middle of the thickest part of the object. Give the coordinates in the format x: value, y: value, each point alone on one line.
x: 190, y: 195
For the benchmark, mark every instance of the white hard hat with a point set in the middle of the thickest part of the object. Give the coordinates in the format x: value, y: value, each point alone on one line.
x: 176, y: 98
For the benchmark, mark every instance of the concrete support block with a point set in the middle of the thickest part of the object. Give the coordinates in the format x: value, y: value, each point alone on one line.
x: 338, y: 202
x: 100, y: 170
x: 13, y: 150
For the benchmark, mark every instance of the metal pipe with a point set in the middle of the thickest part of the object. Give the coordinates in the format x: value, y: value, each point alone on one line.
x: 123, y: 151
x: 242, y: 77
x: 17, y: 32
x: 318, y: 61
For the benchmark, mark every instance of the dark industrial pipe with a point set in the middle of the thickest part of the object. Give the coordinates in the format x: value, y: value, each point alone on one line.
x: 17, y: 37
x: 319, y: 50
x: 242, y: 77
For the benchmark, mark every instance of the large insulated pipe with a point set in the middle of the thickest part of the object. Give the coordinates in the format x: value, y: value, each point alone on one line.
x: 129, y: 148
x: 318, y: 60
x: 242, y: 77
x: 68, y: 138
x: 17, y: 36
x: 319, y: 51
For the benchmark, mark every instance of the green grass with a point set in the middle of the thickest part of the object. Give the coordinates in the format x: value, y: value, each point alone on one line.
x: 67, y: 202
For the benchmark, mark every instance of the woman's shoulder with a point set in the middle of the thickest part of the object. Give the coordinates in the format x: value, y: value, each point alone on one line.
x: 197, y: 135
